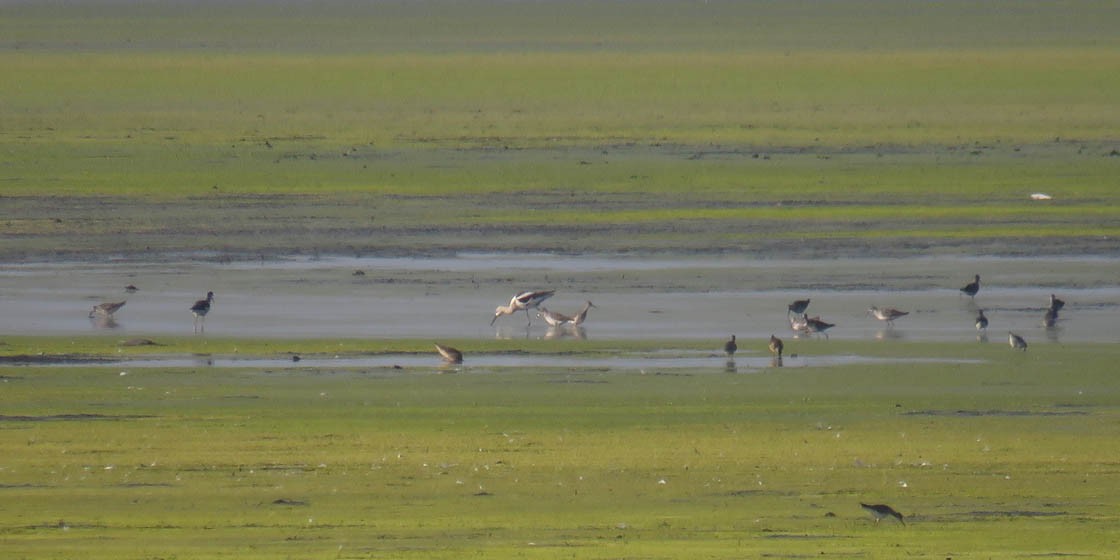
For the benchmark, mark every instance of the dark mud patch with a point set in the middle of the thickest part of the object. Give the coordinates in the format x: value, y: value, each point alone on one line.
x: 81, y: 417
x: 981, y: 413
x: 52, y: 359
x: 1014, y: 513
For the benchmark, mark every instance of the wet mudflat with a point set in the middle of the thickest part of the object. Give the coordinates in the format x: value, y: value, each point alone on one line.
x: 636, y: 298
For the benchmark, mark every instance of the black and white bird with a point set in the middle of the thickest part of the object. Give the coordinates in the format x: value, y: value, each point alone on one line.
x: 730, y: 346
x: 981, y: 321
x: 200, y: 309
x: 1017, y: 342
x: 523, y: 301
x: 880, y: 511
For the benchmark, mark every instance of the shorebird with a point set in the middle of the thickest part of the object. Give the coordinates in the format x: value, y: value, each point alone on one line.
x: 523, y: 301
x: 1017, y: 342
x: 582, y: 315
x: 776, y: 346
x: 816, y: 325
x: 105, y: 309
x: 1056, y: 304
x: 972, y: 287
x: 200, y: 309
x: 1050, y: 318
x: 555, y: 319
x: 730, y: 347
x: 450, y: 355
x: 879, y: 511
x: 799, y: 323
x: 798, y: 307
x: 888, y: 314
x: 132, y: 289
x: 981, y: 321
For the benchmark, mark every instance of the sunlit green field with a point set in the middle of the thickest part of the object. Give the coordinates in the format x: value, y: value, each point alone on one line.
x: 1006, y: 456
x: 477, y: 126
x: 875, y: 128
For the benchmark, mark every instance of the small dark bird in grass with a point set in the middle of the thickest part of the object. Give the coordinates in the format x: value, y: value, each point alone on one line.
x: 450, y: 355
x: 730, y: 347
x: 879, y: 511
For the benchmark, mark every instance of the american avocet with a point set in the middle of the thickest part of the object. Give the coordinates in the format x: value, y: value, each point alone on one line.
x: 522, y: 302
x: 972, y: 288
x: 879, y: 511
x: 450, y: 355
x: 200, y: 309
x: 981, y: 321
x: 816, y: 325
x: 776, y: 346
x: 798, y: 307
x: 1017, y: 342
x: 105, y: 309
x: 888, y: 314
x: 730, y: 347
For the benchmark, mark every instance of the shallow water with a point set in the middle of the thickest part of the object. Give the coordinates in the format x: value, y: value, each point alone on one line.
x: 454, y: 298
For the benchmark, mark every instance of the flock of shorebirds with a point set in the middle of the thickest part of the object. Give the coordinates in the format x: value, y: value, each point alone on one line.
x: 799, y: 320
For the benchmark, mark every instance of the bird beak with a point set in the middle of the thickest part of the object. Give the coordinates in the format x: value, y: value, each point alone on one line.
x: 492, y: 320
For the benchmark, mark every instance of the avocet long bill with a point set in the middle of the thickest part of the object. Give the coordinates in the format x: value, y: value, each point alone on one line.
x: 1017, y: 342
x: 972, y: 288
x: 880, y: 511
x: 522, y: 302
x: 888, y: 314
x: 200, y: 309
x: 105, y: 309
x: 450, y: 355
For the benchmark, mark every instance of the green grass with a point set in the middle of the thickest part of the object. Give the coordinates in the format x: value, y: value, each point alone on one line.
x: 1007, y: 457
x: 398, y: 120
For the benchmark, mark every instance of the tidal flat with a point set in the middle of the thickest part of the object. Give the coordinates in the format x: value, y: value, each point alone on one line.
x: 690, y: 167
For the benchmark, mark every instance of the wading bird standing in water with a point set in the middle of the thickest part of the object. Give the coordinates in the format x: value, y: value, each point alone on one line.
x: 888, y: 314
x: 730, y: 347
x: 776, y: 346
x: 798, y: 307
x: 1017, y: 342
x: 105, y: 310
x: 450, y: 355
x: 981, y: 321
x: 522, y: 302
x: 200, y: 309
x: 972, y: 288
